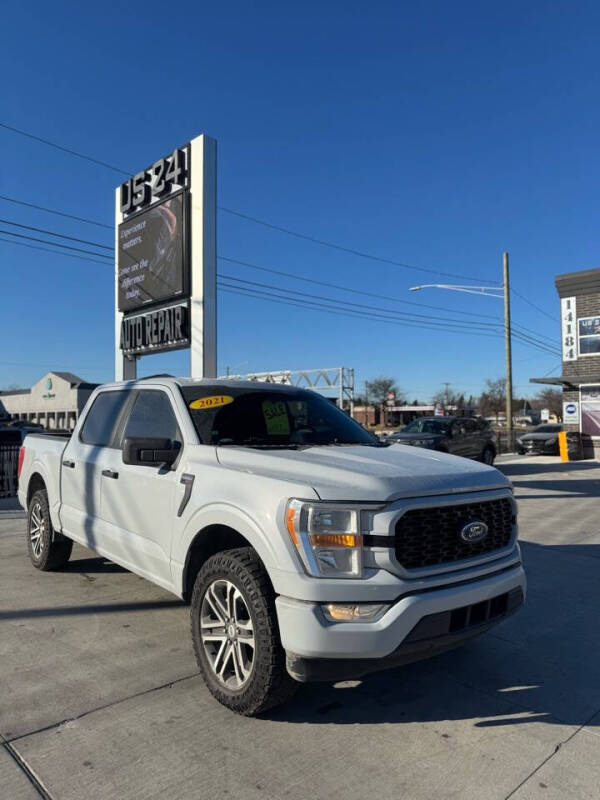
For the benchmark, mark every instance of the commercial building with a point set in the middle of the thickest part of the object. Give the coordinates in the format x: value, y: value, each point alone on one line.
x: 55, y: 401
x: 579, y: 294
x: 394, y: 416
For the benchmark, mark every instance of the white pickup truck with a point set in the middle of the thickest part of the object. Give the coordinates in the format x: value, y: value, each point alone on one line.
x: 308, y: 549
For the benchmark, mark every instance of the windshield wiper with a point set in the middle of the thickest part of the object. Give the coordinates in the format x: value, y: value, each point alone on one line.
x: 341, y: 443
x: 257, y: 443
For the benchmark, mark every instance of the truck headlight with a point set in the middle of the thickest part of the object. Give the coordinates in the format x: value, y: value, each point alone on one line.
x: 327, y: 537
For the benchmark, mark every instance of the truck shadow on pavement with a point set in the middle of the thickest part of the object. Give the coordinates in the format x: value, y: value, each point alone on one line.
x: 556, y: 479
x: 540, y: 666
x: 97, y: 564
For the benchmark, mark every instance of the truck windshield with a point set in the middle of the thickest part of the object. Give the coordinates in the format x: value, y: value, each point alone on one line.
x: 229, y: 416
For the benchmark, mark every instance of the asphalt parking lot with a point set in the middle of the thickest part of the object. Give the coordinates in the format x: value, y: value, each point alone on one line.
x: 100, y: 698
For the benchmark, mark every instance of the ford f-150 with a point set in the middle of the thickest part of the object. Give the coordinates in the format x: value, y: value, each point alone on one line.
x: 307, y: 549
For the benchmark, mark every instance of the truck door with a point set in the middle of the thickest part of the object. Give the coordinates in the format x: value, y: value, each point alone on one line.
x: 80, y: 470
x: 138, y: 503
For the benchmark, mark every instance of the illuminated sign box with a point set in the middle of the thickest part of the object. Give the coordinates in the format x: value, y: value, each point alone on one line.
x: 152, y: 255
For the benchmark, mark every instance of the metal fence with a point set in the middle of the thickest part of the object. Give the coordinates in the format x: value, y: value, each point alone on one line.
x: 9, y: 458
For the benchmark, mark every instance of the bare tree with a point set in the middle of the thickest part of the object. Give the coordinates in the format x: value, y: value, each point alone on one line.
x: 448, y: 397
x: 378, y: 389
x: 493, y: 397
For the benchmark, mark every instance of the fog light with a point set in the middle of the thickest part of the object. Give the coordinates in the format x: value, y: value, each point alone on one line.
x: 354, y: 612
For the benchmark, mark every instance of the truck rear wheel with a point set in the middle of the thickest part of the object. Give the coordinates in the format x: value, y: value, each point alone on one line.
x: 235, y: 633
x: 48, y: 549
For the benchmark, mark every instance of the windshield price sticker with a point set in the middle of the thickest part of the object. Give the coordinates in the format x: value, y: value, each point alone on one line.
x: 276, y: 418
x: 214, y: 401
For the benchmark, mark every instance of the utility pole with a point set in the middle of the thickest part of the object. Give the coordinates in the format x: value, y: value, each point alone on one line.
x: 507, y: 338
x: 446, y: 394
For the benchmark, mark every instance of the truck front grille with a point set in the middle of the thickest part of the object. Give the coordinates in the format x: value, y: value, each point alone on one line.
x: 426, y: 537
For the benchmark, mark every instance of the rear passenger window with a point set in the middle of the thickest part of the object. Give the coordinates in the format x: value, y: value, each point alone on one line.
x: 152, y: 416
x: 102, y: 417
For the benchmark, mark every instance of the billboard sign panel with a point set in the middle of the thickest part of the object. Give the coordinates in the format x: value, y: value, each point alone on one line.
x: 153, y: 255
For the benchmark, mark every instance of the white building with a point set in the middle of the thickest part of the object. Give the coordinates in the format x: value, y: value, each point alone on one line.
x: 55, y: 401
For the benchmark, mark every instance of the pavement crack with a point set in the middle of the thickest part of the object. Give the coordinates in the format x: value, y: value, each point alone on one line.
x: 54, y: 725
x: 557, y: 748
x: 27, y: 771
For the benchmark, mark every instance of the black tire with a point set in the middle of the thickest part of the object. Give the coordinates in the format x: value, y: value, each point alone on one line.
x: 488, y: 455
x: 47, y: 548
x: 267, y: 683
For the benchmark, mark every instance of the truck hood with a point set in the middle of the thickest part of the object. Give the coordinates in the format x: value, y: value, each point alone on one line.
x: 371, y: 474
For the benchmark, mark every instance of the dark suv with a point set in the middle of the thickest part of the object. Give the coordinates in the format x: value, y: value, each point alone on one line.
x: 461, y: 436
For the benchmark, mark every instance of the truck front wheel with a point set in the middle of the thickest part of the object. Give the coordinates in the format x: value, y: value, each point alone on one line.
x: 235, y: 633
x: 48, y: 549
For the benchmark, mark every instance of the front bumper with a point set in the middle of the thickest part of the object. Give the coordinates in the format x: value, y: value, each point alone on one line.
x: 416, y: 626
x: 539, y: 448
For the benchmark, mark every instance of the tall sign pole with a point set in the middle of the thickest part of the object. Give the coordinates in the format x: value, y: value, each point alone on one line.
x: 507, y: 338
x: 203, y: 301
x: 166, y: 261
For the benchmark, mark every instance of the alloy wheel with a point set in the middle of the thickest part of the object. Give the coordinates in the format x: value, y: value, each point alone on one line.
x: 37, y: 527
x: 227, y: 634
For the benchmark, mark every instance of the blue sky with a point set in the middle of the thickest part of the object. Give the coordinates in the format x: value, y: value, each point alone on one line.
x: 435, y: 134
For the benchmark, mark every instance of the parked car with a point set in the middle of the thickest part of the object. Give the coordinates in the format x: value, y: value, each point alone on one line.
x: 461, y: 436
x: 307, y: 549
x: 542, y: 440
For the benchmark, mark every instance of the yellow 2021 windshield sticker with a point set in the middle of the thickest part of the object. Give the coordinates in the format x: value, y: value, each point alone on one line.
x: 214, y: 401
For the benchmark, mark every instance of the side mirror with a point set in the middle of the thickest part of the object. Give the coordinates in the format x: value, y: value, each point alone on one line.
x: 150, y: 452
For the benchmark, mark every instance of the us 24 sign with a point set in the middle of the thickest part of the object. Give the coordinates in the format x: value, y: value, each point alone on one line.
x: 166, y: 176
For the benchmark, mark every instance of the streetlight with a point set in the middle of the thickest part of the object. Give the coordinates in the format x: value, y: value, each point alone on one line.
x: 499, y: 292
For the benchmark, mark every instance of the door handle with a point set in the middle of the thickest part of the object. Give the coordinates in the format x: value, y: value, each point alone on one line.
x: 109, y: 473
x: 70, y: 464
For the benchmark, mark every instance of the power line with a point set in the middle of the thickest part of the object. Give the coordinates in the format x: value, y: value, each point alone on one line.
x: 372, y: 294
x: 480, y: 326
x: 347, y: 288
x: 350, y: 250
x: 256, y: 220
x: 370, y: 315
x: 314, y: 305
x: 56, y: 252
x: 251, y: 266
x: 58, y: 213
x: 64, y: 149
x: 332, y: 305
x: 533, y: 305
x: 56, y: 244
x: 399, y: 314
x: 58, y: 235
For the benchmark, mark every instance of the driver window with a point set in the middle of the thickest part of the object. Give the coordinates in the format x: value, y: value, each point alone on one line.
x: 458, y: 429
x: 152, y: 416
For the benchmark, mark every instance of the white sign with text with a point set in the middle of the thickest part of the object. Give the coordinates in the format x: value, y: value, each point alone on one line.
x: 568, y: 319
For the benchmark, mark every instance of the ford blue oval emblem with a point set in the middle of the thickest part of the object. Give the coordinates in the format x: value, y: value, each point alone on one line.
x: 475, y: 531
